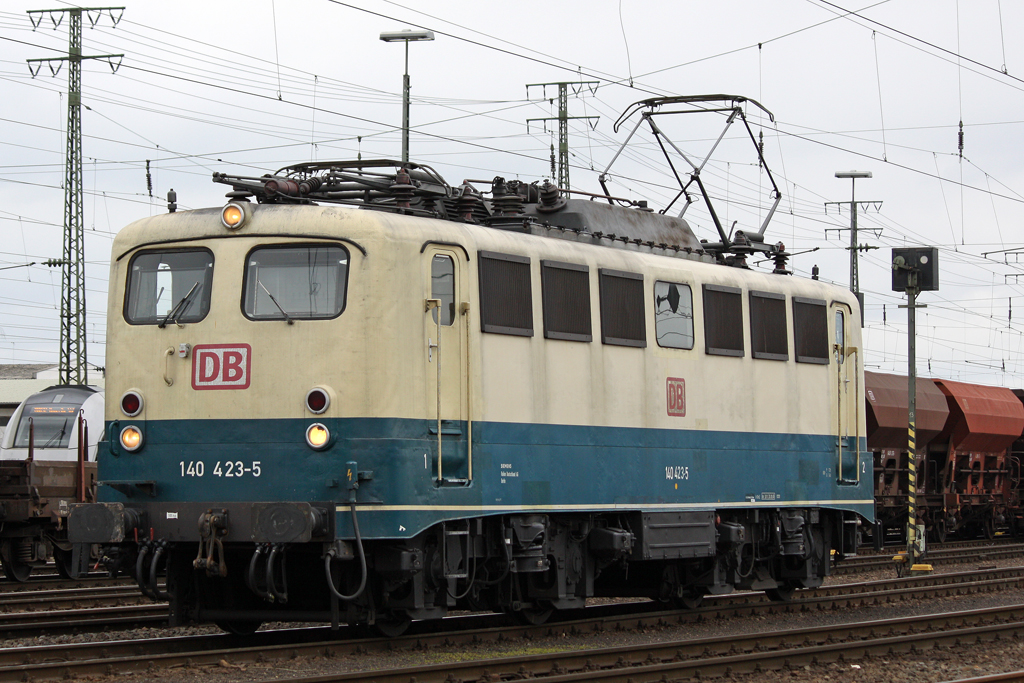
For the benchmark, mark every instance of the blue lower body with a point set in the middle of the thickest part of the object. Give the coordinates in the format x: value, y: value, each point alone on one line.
x: 513, y: 467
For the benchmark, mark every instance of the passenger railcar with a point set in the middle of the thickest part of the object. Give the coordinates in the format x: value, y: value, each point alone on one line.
x: 371, y: 397
x: 47, y: 463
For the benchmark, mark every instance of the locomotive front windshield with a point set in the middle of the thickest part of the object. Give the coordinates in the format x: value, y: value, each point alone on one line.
x: 51, y: 426
x: 304, y: 282
x: 169, y: 286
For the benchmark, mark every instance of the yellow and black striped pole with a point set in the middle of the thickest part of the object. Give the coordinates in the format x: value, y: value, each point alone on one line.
x: 911, y: 484
x: 911, y: 419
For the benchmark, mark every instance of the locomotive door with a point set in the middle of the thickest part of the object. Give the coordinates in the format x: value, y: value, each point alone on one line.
x: 846, y: 397
x: 446, y: 321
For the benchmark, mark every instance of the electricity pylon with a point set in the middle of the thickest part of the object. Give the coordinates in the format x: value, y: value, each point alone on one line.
x: 73, y: 366
x: 563, y: 123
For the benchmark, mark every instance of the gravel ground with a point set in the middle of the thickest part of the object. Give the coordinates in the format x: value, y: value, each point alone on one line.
x: 945, y: 665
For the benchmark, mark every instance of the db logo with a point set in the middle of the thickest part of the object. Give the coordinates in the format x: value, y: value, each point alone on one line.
x: 221, y: 366
x: 676, y: 396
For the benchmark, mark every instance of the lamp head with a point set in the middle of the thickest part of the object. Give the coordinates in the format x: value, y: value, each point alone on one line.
x: 398, y: 36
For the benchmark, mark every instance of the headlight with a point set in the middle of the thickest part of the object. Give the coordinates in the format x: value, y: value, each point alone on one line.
x: 317, y: 436
x: 131, y: 438
x: 233, y: 215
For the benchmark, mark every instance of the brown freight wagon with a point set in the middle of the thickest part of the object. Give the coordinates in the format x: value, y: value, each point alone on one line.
x: 887, y: 397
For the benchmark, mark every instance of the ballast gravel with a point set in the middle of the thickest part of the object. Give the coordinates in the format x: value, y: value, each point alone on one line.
x: 976, y: 659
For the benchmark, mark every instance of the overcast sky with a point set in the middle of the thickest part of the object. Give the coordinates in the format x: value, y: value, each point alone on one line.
x: 249, y: 87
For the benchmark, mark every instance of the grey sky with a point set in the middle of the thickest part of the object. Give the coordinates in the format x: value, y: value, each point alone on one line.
x: 253, y: 86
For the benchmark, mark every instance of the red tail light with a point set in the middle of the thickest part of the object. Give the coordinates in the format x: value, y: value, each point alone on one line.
x: 317, y: 401
x: 131, y: 403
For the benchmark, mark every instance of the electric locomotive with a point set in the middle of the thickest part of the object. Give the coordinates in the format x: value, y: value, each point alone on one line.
x: 47, y: 464
x: 358, y: 394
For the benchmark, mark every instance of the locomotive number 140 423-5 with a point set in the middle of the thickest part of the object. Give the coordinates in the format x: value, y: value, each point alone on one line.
x: 228, y: 468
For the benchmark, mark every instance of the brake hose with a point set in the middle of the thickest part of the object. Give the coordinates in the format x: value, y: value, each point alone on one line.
x: 362, y: 564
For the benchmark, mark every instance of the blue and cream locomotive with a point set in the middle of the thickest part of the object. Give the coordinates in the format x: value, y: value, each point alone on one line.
x: 370, y: 397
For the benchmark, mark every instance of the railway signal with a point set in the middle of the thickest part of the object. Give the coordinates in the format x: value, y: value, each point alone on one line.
x: 914, y: 270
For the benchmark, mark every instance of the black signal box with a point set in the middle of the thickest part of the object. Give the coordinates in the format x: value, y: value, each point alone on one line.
x: 923, y: 260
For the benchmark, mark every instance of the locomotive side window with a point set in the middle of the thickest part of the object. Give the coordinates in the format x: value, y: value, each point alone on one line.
x: 442, y: 286
x: 623, y: 320
x: 723, y: 321
x: 168, y: 286
x: 673, y: 315
x: 506, y: 296
x: 566, y: 289
x: 810, y: 331
x: 768, y: 326
x: 305, y: 282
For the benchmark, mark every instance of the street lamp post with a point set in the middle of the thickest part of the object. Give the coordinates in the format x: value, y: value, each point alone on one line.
x: 405, y: 36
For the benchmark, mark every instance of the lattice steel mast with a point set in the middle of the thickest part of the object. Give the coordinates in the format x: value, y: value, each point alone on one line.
x: 73, y: 365
x: 563, y: 123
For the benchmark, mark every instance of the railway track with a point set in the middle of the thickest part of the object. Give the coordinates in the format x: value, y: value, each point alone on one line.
x: 941, y: 555
x: 720, y: 656
x: 140, y: 656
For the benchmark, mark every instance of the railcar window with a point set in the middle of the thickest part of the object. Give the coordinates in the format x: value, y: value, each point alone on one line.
x: 566, y: 289
x: 810, y: 331
x: 51, y: 426
x: 306, y: 282
x: 506, y: 295
x: 768, y: 326
x: 442, y: 286
x: 623, y: 320
x: 673, y: 315
x: 168, y: 286
x: 723, y: 321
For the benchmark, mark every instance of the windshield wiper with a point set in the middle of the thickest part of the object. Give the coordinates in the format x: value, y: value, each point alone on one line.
x: 55, y: 439
x: 174, y: 313
x: 283, y: 312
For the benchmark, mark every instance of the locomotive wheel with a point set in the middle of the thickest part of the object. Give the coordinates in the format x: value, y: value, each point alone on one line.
x: 239, y: 627
x: 781, y: 593
x: 690, y: 599
x: 940, y: 531
x: 534, y: 615
x: 392, y: 624
x: 62, y: 560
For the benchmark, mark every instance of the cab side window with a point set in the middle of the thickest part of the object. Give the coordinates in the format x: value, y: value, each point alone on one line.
x: 442, y: 286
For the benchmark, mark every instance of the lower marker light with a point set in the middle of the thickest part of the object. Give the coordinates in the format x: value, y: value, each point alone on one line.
x: 317, y: 436
x: 131, y: 438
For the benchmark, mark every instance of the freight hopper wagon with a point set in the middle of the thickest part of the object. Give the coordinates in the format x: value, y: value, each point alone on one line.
x: 967, y: 477
x: 358, y: 394
x: 47, y: 463
x: 973, y: 469
x: 1016, y: 458
x: 886, y: 403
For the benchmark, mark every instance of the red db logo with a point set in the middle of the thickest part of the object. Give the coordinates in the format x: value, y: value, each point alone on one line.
x: 675, y: 388
x: 221, y: 366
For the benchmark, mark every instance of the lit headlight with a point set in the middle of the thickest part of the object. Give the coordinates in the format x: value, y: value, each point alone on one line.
x: 131, y: 438
x: 317, y: 436
x: 233, y: 215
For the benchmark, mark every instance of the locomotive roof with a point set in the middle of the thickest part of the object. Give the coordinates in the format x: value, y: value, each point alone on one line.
x: 368, y: 230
